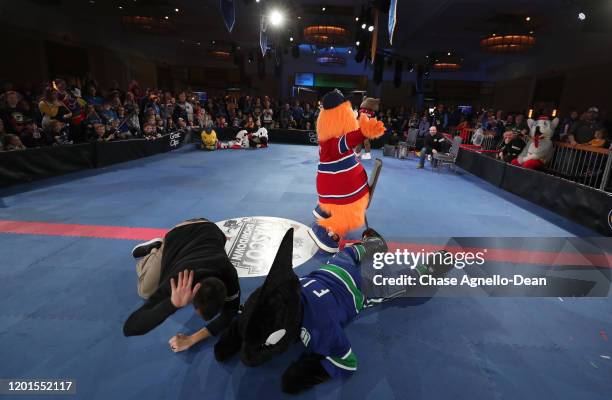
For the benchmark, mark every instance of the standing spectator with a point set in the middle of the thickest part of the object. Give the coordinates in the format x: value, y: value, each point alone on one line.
x: 92, y: 96
x: 107, y: 113
x: 268, y: 115
x: 439, y: 118
x: 583, y: 131
x: 52, y: 109
x: 285, y: 114
x: 238, y: 120
x: 183, y: 109
x: 567, y: 124
x: 297, y: 113
x: 308, y: 115
x: 424, y: 125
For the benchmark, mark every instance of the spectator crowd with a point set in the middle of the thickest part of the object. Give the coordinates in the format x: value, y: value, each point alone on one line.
x: 76, y: 111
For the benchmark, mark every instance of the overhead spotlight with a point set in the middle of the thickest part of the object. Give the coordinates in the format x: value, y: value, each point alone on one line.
x: 332, y: 47
x: 349, y: 51
x: 357, y: 43
x: 276, y: 18
x: 166, y: 17
x: 291, y: 39
x: 370, y: 28
x: 323, y: 9
x: 448, y: 54
x: 121, y: 7
x: 176, y: 10
x: 363, y: 26
x: 527, y: 19
x: 256, y: 1
x: 356, y: 18
x: 581, y: 16
x: 299, y: 17
x: 531, y: 32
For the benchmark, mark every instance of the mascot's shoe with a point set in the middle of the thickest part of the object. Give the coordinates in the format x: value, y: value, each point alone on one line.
x: 367, y: 156
x: 319, y: 213
x: 326, y: 241
x: 145, y: 248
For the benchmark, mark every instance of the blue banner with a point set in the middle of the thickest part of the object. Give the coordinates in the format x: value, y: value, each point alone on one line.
x: 263, y: 37
x: 228, y: 11
x: 392, y: 19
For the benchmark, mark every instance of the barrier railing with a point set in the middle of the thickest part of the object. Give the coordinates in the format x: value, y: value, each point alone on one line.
x: 583, y: 164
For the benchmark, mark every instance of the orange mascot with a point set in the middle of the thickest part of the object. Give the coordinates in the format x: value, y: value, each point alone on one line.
x: 342, y: 183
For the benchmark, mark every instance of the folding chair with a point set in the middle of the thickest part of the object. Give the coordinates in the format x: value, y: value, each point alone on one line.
x: 372, y: 183
x: 447, y: 158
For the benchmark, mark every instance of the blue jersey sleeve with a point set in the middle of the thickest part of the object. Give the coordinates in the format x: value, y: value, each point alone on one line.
x: 340, y: 360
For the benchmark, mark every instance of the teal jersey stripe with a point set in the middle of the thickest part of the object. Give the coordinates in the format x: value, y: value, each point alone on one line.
x: 348, y: 281
x: 348, y: 362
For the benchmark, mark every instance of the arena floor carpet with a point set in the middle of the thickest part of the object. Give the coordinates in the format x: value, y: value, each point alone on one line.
x: 65, y: 298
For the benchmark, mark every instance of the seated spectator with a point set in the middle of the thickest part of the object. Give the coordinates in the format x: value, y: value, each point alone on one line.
x: 292, y: 123
x: 308, y: 126
x: 13, y: 143
x: 57, y: 131
x: 11, y: 114
x: 92, y: 117
x: 120, y: 130
x: 31, y: 136
x: 2, y: 135
x: 159, y: 126
x: 250, y: 123
x: 433, y: 143
x: 149, y: 132
x: 221, y: 122
x: 170, y: 127
x: 600, y: 139
x: 511, y: 146
x: 583, y: 131
x: 181, y: 124
x: 101, y: 134
x: 107, y: 113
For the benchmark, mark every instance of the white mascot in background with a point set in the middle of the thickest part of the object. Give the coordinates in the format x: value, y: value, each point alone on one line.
x: 539, y: 150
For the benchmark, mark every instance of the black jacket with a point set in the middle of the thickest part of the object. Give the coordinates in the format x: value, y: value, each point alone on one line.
x: 437, y: 142
x: 512, y: 149
x: 198, y: 247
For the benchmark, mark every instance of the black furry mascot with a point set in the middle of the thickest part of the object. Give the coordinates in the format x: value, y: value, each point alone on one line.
x: 314, y: 308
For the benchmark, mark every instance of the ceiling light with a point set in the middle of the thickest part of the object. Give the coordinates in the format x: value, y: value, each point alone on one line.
x: 121, y: 7
x: 176, y: 10
x: 356, y: 18
x: 370, y: 28
x: 291, y: 39
x: 323, y: 9
x: 166, y: 17
x: 527, y: 19
x: 448, y: 54
x: 349, y: 51
x: 256, y: 1
x: 357, y: 43
x: 363, y: 26
x: 332, y: 47
x: 581, y: 16
x: 276, y: 18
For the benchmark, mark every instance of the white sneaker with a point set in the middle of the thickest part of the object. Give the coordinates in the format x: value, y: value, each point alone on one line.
x: 366, y: 156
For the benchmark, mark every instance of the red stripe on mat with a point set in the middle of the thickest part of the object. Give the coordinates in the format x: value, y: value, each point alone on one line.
x: 96, y: 231
x: 129, y: 233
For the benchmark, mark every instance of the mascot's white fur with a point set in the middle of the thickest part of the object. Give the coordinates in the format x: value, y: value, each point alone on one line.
x: 539, y: 151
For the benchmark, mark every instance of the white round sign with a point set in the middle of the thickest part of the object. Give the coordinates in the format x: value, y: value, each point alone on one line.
x: 252, y: 243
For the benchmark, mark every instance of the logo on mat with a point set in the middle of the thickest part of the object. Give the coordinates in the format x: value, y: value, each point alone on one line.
x: 252, y: 243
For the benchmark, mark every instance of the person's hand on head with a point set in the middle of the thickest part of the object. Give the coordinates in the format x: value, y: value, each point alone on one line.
x: 182, y: 293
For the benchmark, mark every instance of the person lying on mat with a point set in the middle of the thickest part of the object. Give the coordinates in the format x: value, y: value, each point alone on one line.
x: 189, y: 265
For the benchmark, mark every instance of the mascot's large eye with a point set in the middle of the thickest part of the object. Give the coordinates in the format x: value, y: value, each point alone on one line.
x: 275, y: 337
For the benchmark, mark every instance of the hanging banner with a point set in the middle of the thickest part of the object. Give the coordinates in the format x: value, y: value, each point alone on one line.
x: 228, y: 11
x: 392, y: 19
x: 374, y: 37
x: 263, y: 36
